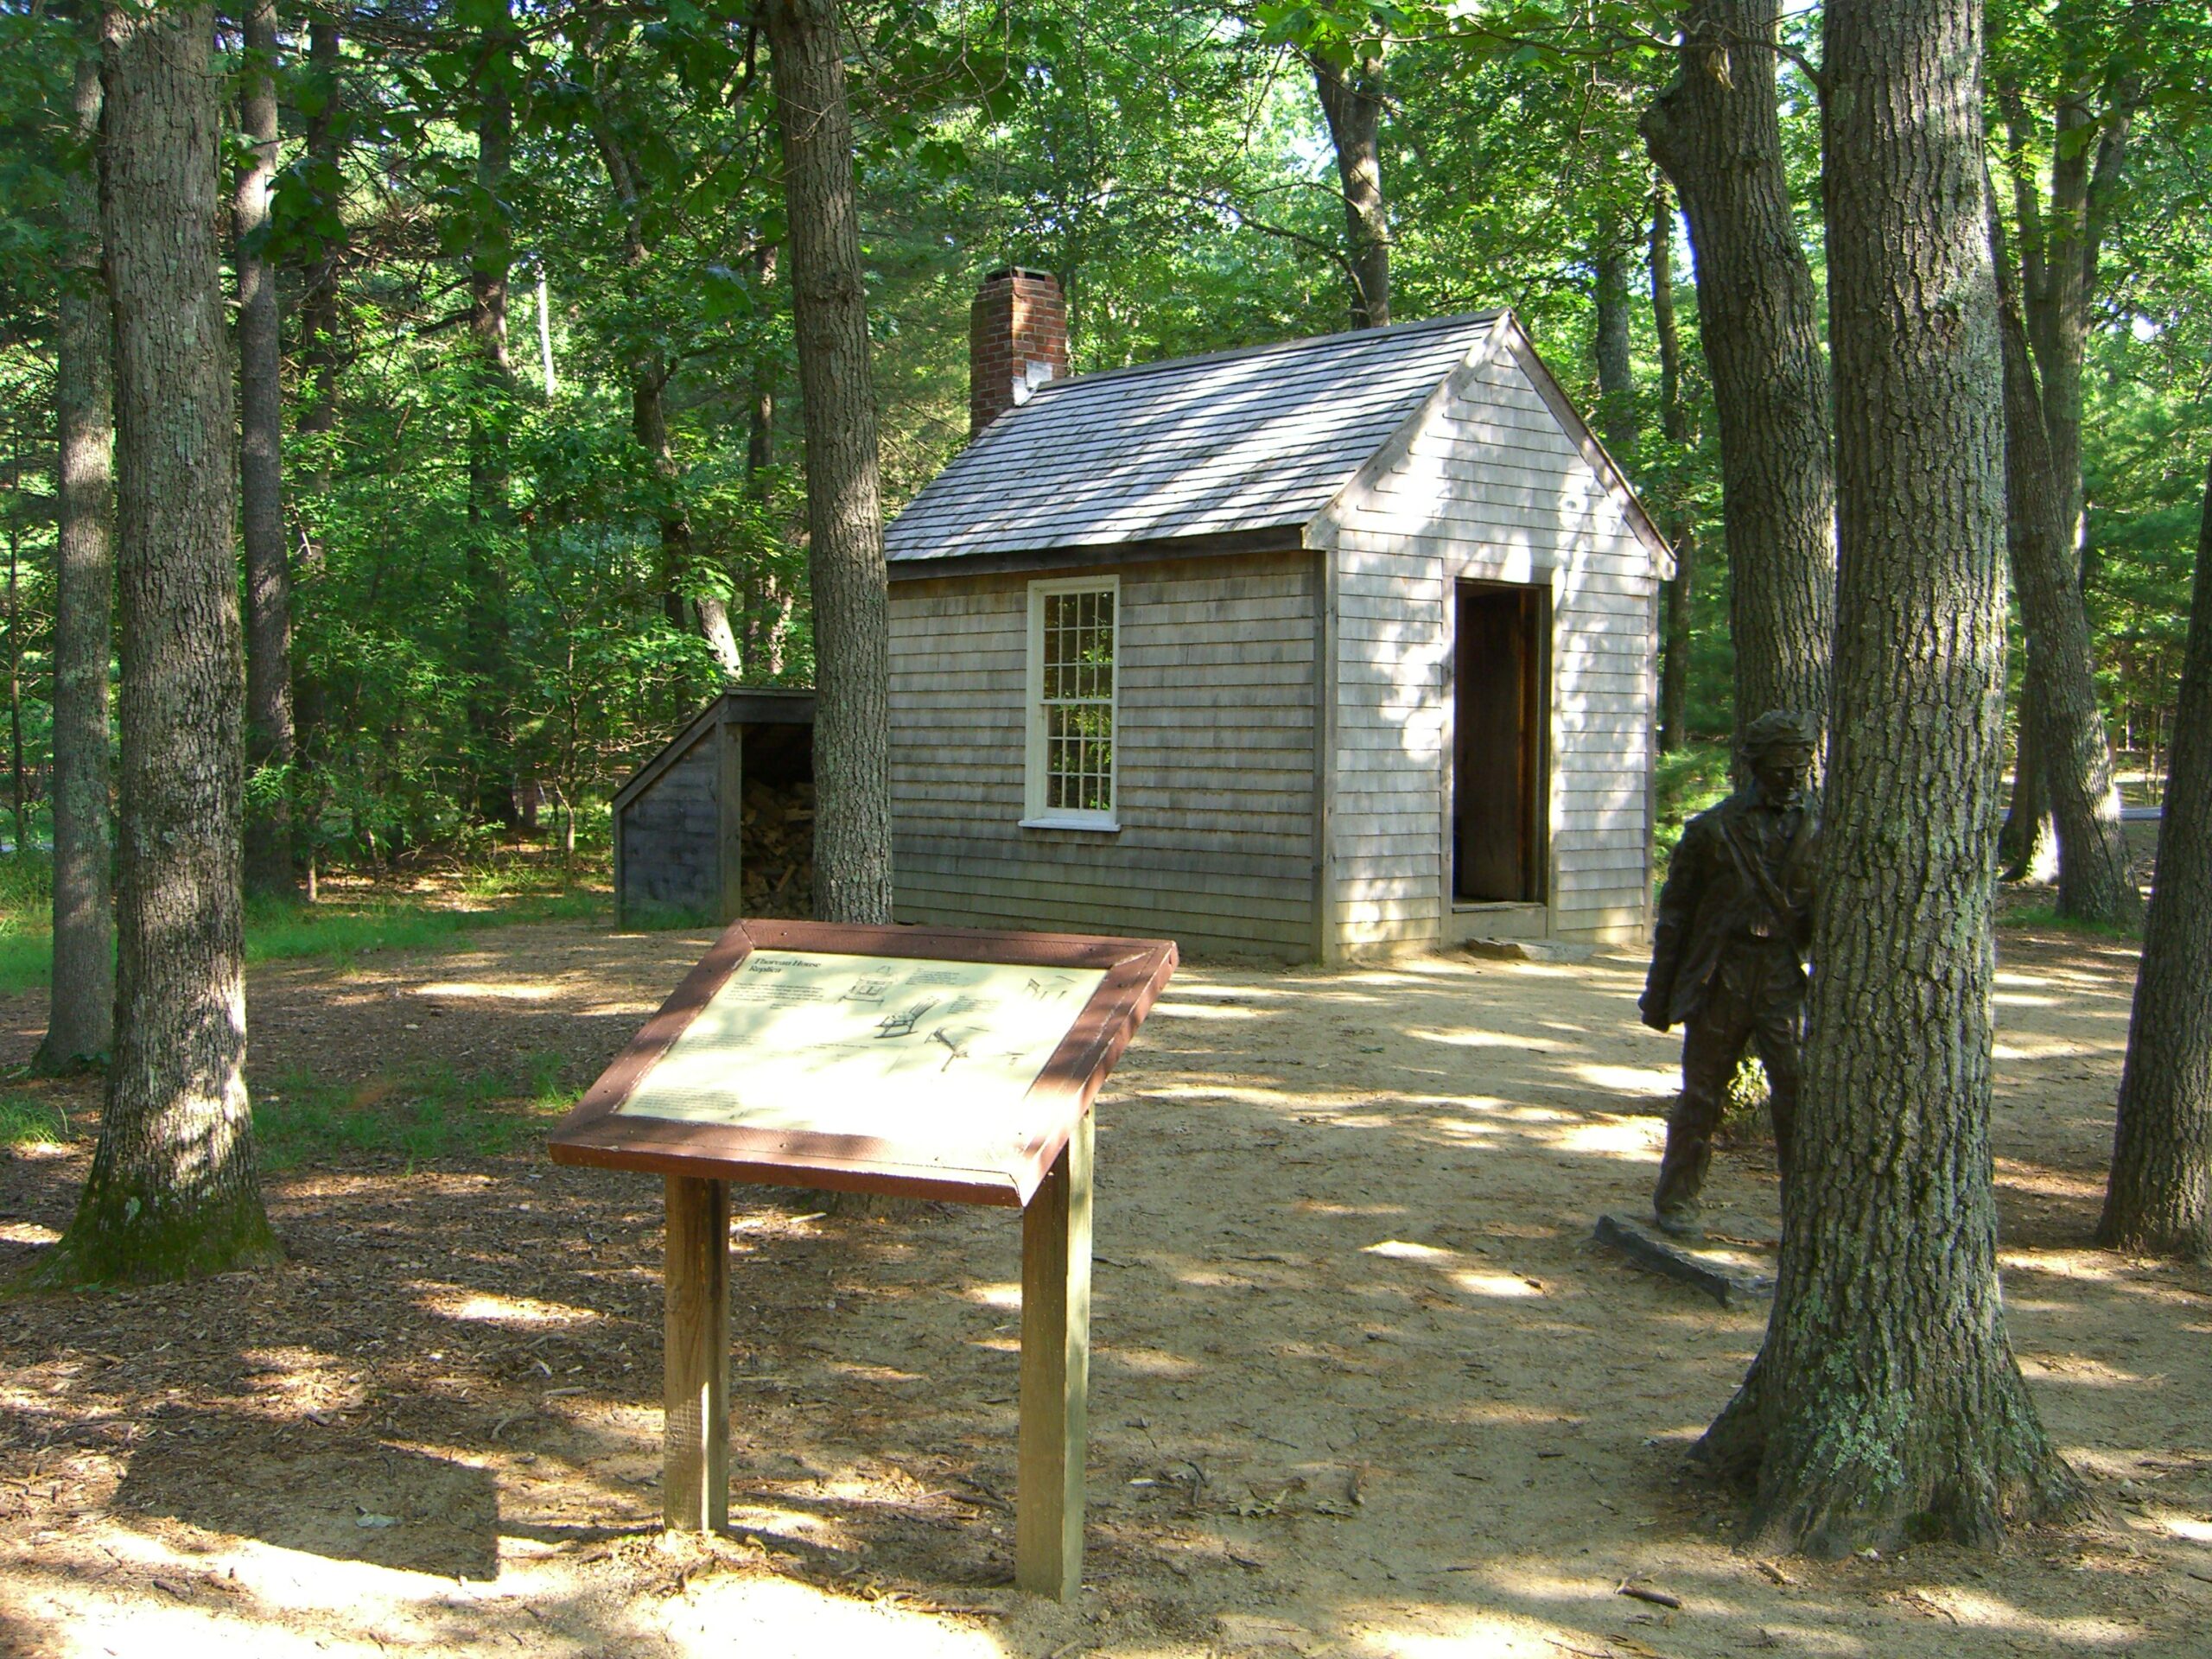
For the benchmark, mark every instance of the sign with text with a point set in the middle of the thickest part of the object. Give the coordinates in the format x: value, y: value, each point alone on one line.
x: 945, y: 1063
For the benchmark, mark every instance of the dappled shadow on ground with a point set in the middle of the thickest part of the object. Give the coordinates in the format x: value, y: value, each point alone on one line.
x: 1361, y: 1382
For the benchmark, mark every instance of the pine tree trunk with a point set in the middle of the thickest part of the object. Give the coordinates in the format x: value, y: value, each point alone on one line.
x: 1681, y: 528
x: 2094, y: 881
x: 320, y: 360
x: 1617, y: 413
x: 1352, y: 101
x: 2159, y: 1199
x: 173, y: 1192
x: 1887, y: 1402
x: 1717, y: 131
x: 318, y: 296
x: 80, y: 1012
x: 649, y: 424
x: 486, y: 644
x: 2027, y: 845
x: 852, y: 653
x: 261, y: 469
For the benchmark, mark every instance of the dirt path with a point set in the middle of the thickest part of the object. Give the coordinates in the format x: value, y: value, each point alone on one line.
x: 1360, y: 1383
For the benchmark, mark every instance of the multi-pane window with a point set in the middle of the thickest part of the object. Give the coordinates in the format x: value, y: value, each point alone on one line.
x: 1072, y: 731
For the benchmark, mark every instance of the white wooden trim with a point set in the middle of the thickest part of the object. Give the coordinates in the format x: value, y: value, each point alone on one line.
x: 1035, y: 814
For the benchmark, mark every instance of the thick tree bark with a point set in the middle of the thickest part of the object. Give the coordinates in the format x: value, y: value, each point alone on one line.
x: 1717, y: 131
x: 2094, y: 881
x: 173, y: 1192
x: 486, y: 645
x: 1681, y: 528
x: 852, y: 652
x: 2159, y: 1198
x: 1617, y: 425
x: 261, y: 469
x: 1886, y: 1401
x: 1352, y: 101
x: 80, y: 1016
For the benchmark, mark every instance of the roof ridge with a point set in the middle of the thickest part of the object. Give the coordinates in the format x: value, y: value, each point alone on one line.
x: 1303, y: 342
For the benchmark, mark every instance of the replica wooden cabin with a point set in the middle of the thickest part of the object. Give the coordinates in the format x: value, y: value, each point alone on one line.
x: 1328, y: 649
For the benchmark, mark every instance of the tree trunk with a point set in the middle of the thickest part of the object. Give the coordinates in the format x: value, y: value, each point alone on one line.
x: 2094, y: 882
x: 1680, y: 526
x: 1351, y: 101
x: 1886, y: 1401
x: 261, y: 472
x: 2159, y: 1199
x: 649, y: 424
x: 491, y: 737
x: 81, y: 1010
x: 1617, y: 413
x: 852, y: 832
x: 319, y: 295
x: 1718, y: 133
x: 2027, y: 846
x: 173, y: 1192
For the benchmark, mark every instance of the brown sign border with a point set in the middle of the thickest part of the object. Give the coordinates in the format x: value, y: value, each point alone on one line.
x: 1136, y: 971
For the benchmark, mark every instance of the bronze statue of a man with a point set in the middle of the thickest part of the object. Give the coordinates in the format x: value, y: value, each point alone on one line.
x: 1727, y: 960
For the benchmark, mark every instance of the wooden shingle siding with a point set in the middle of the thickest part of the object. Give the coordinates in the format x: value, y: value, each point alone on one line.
x: 670, y: 839
x: 1485, y: 486
x: 1215, y: 738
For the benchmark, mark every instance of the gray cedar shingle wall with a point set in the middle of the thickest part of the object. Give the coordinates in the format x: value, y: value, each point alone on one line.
x: 1217, y: 741
x: 1489, y: 489
x: 670, y: 855
x: 1238, y: 441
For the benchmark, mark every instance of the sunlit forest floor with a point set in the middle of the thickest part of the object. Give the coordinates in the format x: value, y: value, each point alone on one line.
x: 1362, y: 1384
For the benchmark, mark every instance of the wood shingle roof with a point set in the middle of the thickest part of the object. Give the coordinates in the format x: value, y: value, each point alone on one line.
x: 1197, y: 446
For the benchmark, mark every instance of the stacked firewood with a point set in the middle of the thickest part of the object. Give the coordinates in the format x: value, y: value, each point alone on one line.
x: 778, y: 848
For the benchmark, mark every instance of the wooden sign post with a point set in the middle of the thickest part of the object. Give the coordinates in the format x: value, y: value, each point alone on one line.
x: 944, y: 1063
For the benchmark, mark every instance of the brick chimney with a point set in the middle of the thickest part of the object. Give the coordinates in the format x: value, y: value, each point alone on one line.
x: 1017, y: 339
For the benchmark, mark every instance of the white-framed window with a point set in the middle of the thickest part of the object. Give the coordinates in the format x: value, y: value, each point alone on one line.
x: 1074, y: 631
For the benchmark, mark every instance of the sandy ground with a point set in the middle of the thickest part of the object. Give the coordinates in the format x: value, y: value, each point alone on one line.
x: 1361, y: 1384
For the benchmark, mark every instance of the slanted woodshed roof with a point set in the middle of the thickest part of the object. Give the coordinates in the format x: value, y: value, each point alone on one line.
x: 1195, y: 447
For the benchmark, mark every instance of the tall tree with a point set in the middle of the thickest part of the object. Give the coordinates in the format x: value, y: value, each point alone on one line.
x: 80, y: 1020
x: 2097, y: 88
x: 1887, y: 1400
x: 2094, y: 880
x: 844, y: 513
x: 1681, y: 527
x: 173, y: 1192
x: 1349, y: 84
x: 491, y: 732
x: 1610, y: 344
x: 650, y: 369
x: 2160, y: 1196
x: 261, y: 467
x: 1717, y: 131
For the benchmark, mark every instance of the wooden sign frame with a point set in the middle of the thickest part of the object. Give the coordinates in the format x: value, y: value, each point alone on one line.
x: 1047, y: 1177
x: 597, y: 1133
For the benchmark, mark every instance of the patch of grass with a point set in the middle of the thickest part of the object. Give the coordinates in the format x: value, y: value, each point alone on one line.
x: 276, y: 931
x: 25, y: 1122
x: 429, y: 1113
x: 2046, y: 918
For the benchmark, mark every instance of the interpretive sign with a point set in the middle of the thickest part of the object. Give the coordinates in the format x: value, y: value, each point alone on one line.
x: 933, y: 1063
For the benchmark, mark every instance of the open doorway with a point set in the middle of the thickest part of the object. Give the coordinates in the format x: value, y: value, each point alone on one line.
x: 1501, y: 702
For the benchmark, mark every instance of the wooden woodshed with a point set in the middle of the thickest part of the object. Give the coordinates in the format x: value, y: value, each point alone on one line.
x: 1327, y: 649
x: 720, y: 822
